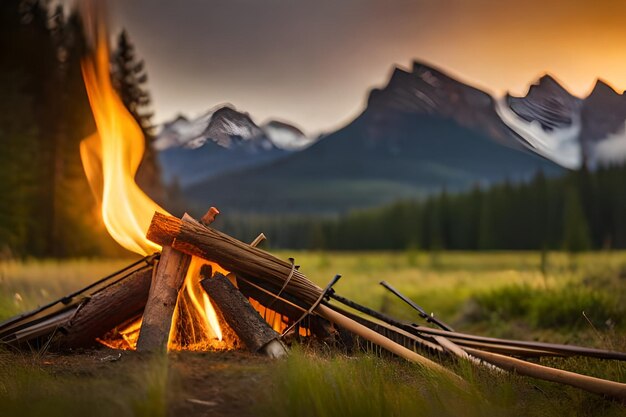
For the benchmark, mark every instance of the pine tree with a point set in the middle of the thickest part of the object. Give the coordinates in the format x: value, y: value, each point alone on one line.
x: 576, y: 229
x: 130, y: 78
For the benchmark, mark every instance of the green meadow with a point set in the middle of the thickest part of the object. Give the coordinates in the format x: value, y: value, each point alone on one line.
x: 552, y: 297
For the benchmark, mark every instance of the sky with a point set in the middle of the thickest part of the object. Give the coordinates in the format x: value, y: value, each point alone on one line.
x: 312, y: 63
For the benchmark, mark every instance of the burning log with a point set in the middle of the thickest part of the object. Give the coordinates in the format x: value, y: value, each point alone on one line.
x: 237, y: 311
x: 164, y: 289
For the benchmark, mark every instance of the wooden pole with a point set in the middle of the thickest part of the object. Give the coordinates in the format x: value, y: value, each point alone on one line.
x: 509, y: 347
x: 599, y: 386
x: 157, y: 317
x: 237, y: 311
x: 395, y: 348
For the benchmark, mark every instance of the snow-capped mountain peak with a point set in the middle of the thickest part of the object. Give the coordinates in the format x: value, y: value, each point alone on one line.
x: 285, y: 136
x: 569, y: 130
x: 229, y: 128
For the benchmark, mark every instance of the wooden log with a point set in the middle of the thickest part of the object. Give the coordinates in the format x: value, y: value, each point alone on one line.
x: 231, y: 254
x: 106, y: 309
x: 251, y: 328
x: 157, y: 316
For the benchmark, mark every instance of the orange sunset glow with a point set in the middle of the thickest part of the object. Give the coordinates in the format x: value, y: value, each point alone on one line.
x: 499, y: 46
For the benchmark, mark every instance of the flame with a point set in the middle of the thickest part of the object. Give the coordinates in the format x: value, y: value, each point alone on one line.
x: 195, y: 325
x: 111, y: 158
x: 277, y: 321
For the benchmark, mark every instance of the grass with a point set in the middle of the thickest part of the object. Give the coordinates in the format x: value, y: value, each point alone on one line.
x: 491, y: 292
x: 335, y: 385
x: 24, y: 285
x: 30, y: 386
x: 505, y: 294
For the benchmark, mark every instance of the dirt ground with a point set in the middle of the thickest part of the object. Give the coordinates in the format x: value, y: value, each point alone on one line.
x: 229, y: 383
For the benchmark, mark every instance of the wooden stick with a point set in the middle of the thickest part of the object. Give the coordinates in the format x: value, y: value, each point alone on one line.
x: 512, y: 347
x: 599, y: 386
x: 452, y: 348
x: 444, y: 342
x: 251, y: 328
x: 378, y: 339
x: 157, y: 317
x: 551, y: 349
x: 257, y: 240
x: 505, y: 349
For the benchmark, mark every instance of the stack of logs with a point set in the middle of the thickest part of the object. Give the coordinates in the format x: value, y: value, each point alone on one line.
x: 143, y: 290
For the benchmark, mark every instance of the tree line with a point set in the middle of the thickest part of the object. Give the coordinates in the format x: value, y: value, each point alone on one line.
x: 580, y: 211
x: 46, y: 207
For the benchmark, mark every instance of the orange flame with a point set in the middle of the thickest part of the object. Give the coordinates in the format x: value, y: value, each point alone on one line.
x: 195, y: 324
x: 111, y: 158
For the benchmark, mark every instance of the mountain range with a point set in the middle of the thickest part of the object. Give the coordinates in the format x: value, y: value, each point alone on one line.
x: 567, y: 129
x: 422, y: 132
x: 220, y: 141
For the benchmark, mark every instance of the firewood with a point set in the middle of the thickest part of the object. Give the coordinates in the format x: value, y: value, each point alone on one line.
x: 259, y: 266
x: 106, y: 309
x: 231, y: 254
x: 251, y: 328
x: 157, y: 316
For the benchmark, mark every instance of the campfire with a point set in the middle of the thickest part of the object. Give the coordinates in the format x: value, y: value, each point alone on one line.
x: 196, y: 288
